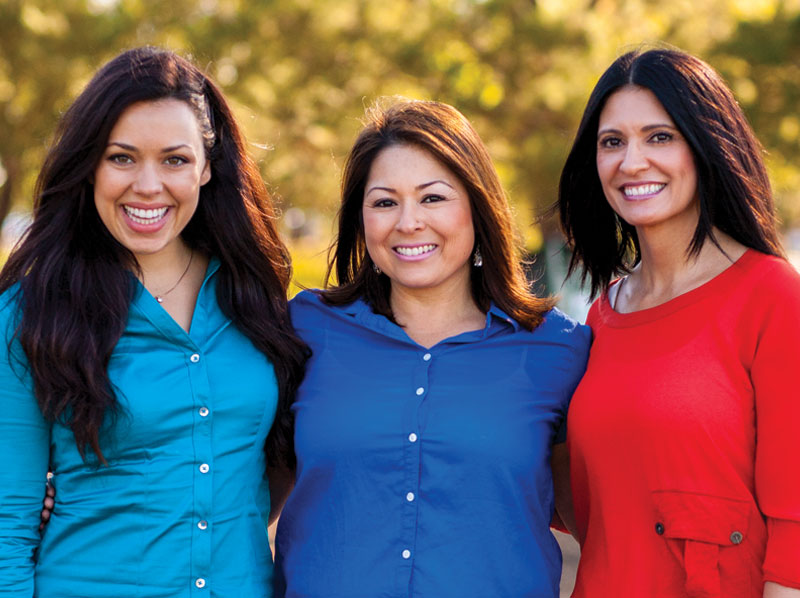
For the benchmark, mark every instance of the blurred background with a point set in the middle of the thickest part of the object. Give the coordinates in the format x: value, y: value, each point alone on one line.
x: 300, y: 73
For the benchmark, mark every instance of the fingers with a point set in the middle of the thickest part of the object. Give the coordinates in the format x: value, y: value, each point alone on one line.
x: 47, y: 506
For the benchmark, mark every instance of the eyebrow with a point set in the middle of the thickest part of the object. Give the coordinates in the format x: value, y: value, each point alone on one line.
x: 132, y: 148
x: 418, y: 187
x: 644, y: 128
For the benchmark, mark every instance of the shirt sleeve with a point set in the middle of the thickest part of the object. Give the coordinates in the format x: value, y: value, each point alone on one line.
x: 581, y: 341
x: 24, y: 448
x: 776, y: 383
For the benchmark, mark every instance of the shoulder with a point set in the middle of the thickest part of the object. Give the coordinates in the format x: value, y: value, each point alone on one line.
x: 765, y: 283
x: 775, y: 273
x: 9, y: 321
x: 307, y: 304
x: 561, y: 325
x: 560, y: 330
x: 9, y: 308
x: 308, y: 308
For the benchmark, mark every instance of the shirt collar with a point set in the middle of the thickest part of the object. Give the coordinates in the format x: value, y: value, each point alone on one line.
x: 362, y: 312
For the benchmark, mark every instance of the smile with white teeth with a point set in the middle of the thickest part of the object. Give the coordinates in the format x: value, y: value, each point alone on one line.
x: 648, y: 189
x: 412, y: 251
x: 140, y: 216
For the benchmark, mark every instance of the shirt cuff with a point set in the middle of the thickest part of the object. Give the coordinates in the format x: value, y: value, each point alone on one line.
x: 783, y: 553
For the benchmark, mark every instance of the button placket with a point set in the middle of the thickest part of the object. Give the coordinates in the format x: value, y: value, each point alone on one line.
x: 413, y: 455
x: 203, y: 456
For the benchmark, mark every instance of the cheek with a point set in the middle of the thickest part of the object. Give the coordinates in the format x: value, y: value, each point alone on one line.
x: 604, y: 170
x: 464, y: 230
x: 373, y: 230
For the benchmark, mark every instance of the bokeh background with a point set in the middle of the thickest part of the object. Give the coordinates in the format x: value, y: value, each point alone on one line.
x: 300, y: 73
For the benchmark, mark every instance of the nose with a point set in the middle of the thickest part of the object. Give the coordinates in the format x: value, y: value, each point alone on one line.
x: 148, y: 180
x: 634, y: 159
x: 410, y: 218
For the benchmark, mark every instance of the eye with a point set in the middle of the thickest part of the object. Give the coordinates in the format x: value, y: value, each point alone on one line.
x: 432, y: 198
x: 176, y: 160
x: 609, y: 142
x: 662, y: 137
x: 120, y: 159
x: 383, y: 203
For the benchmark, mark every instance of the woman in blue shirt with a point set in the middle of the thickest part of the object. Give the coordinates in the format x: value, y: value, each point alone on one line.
x: 437, y: 384
x: 147, y: 349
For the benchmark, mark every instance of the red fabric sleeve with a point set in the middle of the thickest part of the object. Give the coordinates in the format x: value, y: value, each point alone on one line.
x: 774, y: 374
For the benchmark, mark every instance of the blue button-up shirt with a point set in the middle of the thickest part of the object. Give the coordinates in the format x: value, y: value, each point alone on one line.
x: 425, y: 472
x: 181, y: 508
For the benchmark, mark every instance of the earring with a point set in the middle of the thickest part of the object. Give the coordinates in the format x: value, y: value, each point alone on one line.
x: 375, y: 267
x: 477, y: 258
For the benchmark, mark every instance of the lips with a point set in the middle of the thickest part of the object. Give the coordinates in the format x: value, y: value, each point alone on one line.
x: 414, y: 250
x: 642, y: 191
x: 143, y: 216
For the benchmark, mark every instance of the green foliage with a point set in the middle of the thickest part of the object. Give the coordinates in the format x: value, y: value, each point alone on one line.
x: 300, y: 72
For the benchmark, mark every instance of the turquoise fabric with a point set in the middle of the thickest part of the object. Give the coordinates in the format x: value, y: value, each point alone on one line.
x: 181, y: 508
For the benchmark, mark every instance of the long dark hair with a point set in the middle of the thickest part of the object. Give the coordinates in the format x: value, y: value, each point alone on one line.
x: 732, y: 184
x: 444, y: 132
x: 75, y: 286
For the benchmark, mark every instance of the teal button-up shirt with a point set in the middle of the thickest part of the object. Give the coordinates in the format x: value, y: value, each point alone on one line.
x: 181, y: 509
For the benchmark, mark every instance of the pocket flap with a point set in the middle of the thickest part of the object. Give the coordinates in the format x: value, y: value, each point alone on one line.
x: 701, y: 517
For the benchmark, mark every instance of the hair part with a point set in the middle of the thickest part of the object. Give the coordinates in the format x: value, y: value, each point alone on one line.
x: 447, y: 135
x: 733, y: 188
x: 75, y: 282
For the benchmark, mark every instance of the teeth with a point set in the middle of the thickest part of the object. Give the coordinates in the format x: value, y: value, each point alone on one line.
x: 643, y: 189
x: 141, y: 216
x: 415, y: 250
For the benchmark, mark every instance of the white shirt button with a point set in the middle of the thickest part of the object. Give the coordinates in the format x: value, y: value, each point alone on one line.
x: 203, y: 524
x: 406, y: 554
x: 203, y: 411
x: 410, y: 496
x: 427, y: 357
x: 412, y: 437
x: 200, y: 582
x: 420, y: 390
x: 204, y: 468
x: 194, y: 358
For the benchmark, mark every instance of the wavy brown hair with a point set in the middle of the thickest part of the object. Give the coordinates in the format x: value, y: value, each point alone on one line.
x: 448, y: 136
x: 732, y: 183
x: 74, y: 279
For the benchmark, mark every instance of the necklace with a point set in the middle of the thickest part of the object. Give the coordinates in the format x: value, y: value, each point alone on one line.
x: 160, y: 298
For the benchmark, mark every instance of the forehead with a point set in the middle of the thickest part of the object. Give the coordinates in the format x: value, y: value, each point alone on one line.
x: 635, y: 106
x: 158, y: 118
x: 407, y: 160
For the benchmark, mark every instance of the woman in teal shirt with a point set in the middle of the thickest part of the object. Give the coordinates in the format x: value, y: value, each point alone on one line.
x: 146, y: 350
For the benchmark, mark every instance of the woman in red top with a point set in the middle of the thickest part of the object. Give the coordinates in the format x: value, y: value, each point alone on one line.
x: 683, y: 434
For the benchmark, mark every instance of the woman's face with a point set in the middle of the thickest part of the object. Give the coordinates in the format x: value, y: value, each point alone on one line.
x: 147, y: 184
x: 645, y: 165
x: 418, y: 221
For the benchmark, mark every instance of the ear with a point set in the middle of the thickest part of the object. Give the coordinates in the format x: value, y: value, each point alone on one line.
x: 205, y: 176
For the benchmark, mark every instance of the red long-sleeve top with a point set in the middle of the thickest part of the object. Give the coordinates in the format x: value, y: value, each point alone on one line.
x: 684, y: 438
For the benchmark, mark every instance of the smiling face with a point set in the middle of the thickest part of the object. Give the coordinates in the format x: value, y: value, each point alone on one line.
x: 418, y: 221
x: 645, y: 165
x: 147, y: 184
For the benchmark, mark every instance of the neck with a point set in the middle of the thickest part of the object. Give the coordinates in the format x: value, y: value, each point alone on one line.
x: 431, y: 315
x: 667, y: 270
x: 160, y: 271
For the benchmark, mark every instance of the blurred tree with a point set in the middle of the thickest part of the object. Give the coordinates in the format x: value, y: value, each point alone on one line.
x: 300, y: 73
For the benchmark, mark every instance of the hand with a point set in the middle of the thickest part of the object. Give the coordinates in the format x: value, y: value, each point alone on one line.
x: 47, y: 506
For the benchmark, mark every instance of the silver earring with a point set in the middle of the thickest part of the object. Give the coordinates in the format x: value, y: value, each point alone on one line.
x: 375, y: 267
x: 477, y: 258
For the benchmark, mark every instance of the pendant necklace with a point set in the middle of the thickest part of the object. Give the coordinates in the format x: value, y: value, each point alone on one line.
x: 160, y: 298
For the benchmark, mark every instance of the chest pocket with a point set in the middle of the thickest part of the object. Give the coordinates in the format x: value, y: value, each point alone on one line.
x: 713, y: 540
